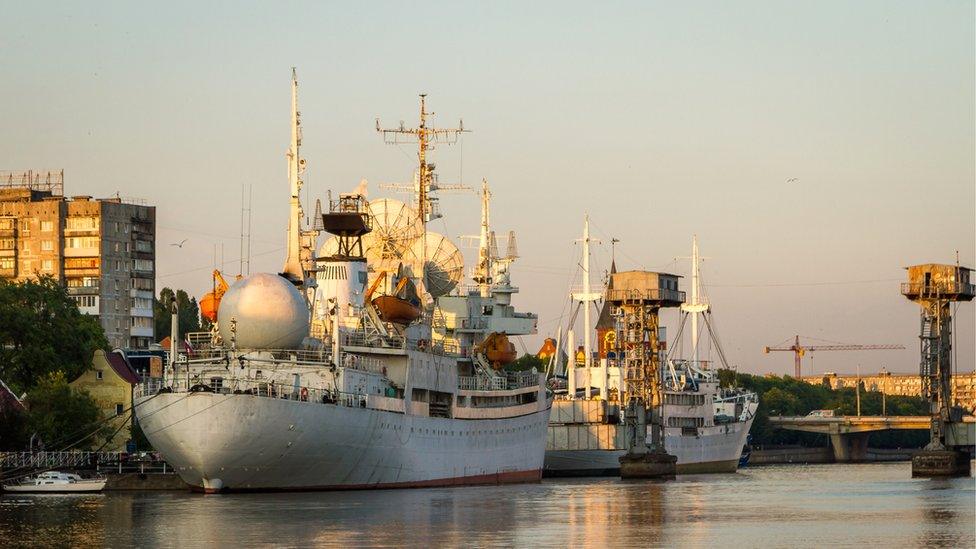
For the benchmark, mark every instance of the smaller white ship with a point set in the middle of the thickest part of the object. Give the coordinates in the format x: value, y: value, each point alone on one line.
x: 703, y: 424
x: 56, y: 482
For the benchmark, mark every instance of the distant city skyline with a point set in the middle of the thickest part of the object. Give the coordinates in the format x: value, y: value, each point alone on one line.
x: 815, y: 149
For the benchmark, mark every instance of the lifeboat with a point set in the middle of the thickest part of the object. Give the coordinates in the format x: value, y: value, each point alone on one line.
x: 402, y: 306
x: 396, y: 310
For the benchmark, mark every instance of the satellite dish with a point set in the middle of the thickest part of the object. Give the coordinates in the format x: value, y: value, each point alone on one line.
x: 395, y: 228
x: 444, y: 263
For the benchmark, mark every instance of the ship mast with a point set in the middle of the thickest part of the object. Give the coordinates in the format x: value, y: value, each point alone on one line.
x: 483, y: 272
x: 696, y: 306
x: 425, y: 137
x: 585, y: 297
x: 296, y: 166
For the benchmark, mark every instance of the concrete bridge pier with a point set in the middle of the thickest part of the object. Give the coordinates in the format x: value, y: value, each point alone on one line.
x: 849, y: 447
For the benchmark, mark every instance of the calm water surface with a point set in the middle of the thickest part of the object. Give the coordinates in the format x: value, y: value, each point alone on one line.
x: 867, y: 505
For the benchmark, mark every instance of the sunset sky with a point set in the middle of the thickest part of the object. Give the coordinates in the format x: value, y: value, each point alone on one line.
x: 815, y: 148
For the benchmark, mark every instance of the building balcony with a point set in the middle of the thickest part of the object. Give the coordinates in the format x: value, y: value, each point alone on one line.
x: 82, y: 271
x: 83, y: 290
x: 146, y: 313
x: 141, y: 331
x: 81, y: 252
x: 147, y: 294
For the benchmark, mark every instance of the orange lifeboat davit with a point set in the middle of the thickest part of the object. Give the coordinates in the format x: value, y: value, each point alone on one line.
x: 402, y: 306
x: 498, y: 350
x: 210, y: 302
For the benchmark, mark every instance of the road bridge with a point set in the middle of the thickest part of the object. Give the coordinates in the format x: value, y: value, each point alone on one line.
x: 849, y: 434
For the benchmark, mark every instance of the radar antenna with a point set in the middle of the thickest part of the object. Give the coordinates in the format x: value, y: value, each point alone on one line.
x: 425, y: 137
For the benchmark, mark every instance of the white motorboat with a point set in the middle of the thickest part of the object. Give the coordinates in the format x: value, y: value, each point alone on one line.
x: 56, y: 482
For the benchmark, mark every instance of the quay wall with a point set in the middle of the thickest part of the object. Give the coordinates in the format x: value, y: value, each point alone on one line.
x: 145, y: 481
x: 801, y: 454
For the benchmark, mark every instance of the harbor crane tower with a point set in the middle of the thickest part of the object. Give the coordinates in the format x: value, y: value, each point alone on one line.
x: 636, y: 298
x: 934, y: 287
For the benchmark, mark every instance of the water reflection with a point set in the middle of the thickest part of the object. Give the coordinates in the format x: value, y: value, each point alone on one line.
x: 774, y: 506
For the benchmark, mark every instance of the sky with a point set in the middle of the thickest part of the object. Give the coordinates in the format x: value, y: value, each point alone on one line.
x: 815, y: 148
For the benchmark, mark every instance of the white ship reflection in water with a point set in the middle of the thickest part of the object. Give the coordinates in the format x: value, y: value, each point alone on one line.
x: 783, y: 506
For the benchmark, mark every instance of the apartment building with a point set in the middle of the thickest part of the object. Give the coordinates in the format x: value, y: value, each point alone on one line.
x: 103, y: 250
x: 963, y: 385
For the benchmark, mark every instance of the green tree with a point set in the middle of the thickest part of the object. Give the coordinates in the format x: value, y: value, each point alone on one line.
x: 527, y: 362
x: 62, y: 415
x: 13, y: 429
x: 189, y: 313
x: 42, y: 332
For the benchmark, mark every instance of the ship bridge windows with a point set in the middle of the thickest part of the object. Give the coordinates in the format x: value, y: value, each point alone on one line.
x: 686, y: 422
x: 682, y: 399
x: 216, y: 383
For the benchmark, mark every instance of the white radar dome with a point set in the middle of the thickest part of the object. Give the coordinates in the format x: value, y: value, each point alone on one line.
x: 270, y: 313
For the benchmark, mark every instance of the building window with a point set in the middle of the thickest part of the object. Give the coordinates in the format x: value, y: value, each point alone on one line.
x: 86, y: 300
x: 47, y: 226
x: 6, y: 224
x: 119, y: 408
x: 81, y: 242
x: 47, y: 245
x: 98, y: 374
x: 81, y: 263
x: 8, y: 244
x: 26, y: 245
x: 82, y: 223
x: 47, y: 265
x: 8, y: 263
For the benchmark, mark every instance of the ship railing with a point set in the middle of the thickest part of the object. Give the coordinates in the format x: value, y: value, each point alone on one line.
x: 439, y: 347
x: 362, y: 339
x: 482, y: 383
x: 309, y: 356
x: 518, y: 380
x: 362, y: 363
x: 508, y: 381
x: 259, y: 387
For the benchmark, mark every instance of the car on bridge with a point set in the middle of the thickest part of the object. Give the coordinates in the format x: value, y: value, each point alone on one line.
x: 821, y: 413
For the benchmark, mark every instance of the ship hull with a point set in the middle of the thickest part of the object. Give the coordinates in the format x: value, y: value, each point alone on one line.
x: 227, y: 442
x: 715, y: 450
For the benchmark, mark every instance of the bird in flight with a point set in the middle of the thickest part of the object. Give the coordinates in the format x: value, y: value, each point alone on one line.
x: 792, y: 180
x: 180, y: 245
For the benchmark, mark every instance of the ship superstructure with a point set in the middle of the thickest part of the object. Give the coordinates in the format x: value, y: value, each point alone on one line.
x: 336, y: 373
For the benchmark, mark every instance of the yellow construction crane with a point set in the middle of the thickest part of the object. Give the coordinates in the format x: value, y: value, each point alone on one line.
x: 800, y: 350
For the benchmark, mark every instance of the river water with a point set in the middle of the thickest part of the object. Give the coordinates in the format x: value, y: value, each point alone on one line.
x: 867, y: 505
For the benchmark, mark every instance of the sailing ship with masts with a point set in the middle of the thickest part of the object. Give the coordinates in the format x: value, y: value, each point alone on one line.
x: 701, y: 423
x: 365, y: 365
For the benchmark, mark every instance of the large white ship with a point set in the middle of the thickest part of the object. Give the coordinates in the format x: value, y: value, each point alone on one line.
x: 704, y: 425
x: 362, y: 366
